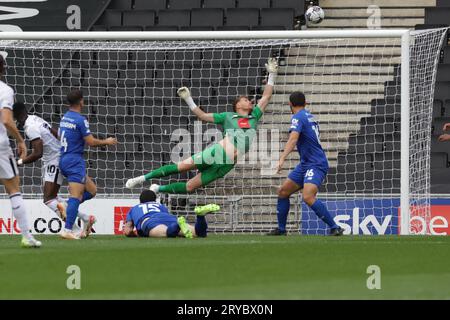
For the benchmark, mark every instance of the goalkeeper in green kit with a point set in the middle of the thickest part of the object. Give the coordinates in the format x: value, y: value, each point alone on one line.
x: 216, y: 161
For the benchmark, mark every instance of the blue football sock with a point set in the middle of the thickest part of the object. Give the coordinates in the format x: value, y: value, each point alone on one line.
x: 201, y: 227
x: 86, y: 196
x: 173, y: 230
x: 322, y: 212
x: 283, y: 206
x: 72, y: 211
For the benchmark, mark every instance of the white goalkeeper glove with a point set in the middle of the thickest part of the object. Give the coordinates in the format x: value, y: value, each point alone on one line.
x: 272, y: 69
x: 185, y: 94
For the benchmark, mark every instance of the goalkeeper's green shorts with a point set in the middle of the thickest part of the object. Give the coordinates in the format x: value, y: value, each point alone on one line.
x: 213, y: 163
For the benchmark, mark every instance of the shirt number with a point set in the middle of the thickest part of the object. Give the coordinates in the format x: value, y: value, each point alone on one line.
x: 64, y: 142
x: 149, y: 207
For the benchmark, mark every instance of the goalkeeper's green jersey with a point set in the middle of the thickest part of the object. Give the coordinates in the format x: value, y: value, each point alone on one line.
x: 241, y: 130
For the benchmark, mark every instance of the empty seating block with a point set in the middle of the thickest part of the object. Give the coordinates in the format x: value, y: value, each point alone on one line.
x: 438, y: 15
x: 207, y: 17
x: 139, y: 18
x: 180, y: 18
x: 244, y: 17
x: 297, y: 5
x: 439, y: 160
x: 111, y: 18
x: 150, y: 4
x: 184, y: 4
x: 120, y: 4
x: 220, y: 4
x: 277, y: 17
x: 253, y: 3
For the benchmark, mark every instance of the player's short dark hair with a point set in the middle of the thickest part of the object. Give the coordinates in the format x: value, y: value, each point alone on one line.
x: 297, y: 99
x: 2, y: 65
x: 147, y: 196
x: 19, y: 109
x: 236, y: 101
x: 74, y: 97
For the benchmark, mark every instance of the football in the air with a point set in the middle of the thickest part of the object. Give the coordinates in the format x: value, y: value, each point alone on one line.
x: 315, y: 14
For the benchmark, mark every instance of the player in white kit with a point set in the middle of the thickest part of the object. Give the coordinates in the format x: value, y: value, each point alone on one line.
x: 9, y: 175
x: 46, y: 146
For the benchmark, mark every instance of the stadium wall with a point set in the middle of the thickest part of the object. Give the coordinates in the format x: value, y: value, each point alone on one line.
x: 111, y: 215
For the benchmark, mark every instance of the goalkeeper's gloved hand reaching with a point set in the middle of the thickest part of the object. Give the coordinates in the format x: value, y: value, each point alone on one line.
x: 185, y: 94
x: 272, y: 65
x: 272, y: 69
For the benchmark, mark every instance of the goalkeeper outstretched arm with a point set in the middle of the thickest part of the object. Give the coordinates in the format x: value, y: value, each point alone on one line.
x: 272, y: 69
x: 185, y: 94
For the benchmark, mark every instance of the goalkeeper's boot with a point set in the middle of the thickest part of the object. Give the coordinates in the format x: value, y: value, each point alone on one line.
x: 62, y: 208
x: 336, y: 232
x: 31, y: 242
x: 133, y: 182
x: 204, y: 210
x: 69, y: 235
x: 277, y: 232
x: 87, y: 229
x: 154, y: 188
x: 185, y: 230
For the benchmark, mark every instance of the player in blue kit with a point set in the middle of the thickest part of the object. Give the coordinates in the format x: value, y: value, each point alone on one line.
x: 310, y: 173
x: 74, y: 133
x: 153, y: 219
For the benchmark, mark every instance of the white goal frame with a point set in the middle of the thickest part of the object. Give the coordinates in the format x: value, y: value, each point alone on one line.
x: 402, y: 34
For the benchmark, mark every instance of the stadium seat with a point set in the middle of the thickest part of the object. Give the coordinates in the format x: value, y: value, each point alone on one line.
x: 232, y: 28
x: 161, y: 28
x: 99, y: 27
x: 447, y: 54
x: 253, y: 4
x: 438, y: 109
x: 184, y: 4
x: 125, y: 28
x: 242, y: 17
x: 277, y: 17
x: 220, y: 4
x: 443, y: 73
x: 197, y: 28
x: 120, y: 4
x: 439, y: 160
x: 150, y: 4
x: 442, y: 90
x: 297, y: 5
x: 270, y: 28
x: 110, y: 18
x: 438, y: 15
x: 139, y: 18
x: 207, y: 17
x: 180, y: 18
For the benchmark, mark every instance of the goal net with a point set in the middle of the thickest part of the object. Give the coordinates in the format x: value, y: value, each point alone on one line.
x: 352, y: 84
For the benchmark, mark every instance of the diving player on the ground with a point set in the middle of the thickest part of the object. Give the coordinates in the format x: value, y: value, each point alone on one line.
x: 310, y: 173
x: 216, y: 161
x: 45, y: 145
x: 74, y: 133
x: 152, y: 219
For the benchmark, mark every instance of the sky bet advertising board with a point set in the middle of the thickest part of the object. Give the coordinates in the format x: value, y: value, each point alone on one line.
x: 376, y: 217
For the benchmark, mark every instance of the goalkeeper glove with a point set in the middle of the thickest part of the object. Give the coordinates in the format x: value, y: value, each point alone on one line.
x: 272, y: 69
x: 185, y: 94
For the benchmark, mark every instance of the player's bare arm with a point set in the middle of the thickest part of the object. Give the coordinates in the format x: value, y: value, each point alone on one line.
x: 94, y: 142
x: 272, y: 69
x: 8, y: 122
x: 128, y: 229
x: 38, y: 150
x: 290, y: 146
x: 185, y: 94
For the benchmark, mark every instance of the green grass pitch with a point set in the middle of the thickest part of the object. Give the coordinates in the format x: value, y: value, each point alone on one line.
x: 227, y: 267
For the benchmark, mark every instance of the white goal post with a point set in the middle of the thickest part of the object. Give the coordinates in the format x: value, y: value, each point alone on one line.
x: 357, y: 67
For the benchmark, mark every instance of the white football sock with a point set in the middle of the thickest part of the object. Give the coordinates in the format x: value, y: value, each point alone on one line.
x: 20, y: 213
